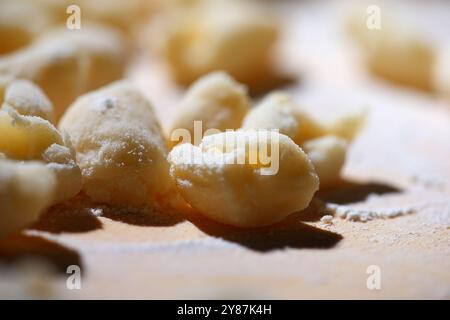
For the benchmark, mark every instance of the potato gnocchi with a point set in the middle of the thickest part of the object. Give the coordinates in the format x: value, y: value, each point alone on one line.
x: 327, y: 154
x: 33, y: 138
x: 20, y: 23
x: 119, y: 146
x: 26, y: 190
x: 394, y: 52
x: 325, y: 143
x: 213, y: 181
x: 65, y: 64
x: 201, y: 37
x: 216, y: 101
x: 26, y: 98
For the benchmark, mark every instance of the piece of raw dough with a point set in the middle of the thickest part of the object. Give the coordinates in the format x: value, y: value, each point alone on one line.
x: 20, y: 22
x: 119, y: 146
x: 325, y: 143
x: 33, y: 138
x: 235, y: 36
x: 26, y: 190
x: 65, y: 63
x: 327, y: 154
x: 394, y: 51
x: 216, y: 101
x: 212, y: 181
x: 26, y: 98
x: 279, y: 111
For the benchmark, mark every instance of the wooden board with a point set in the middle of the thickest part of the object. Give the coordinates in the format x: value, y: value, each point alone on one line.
x: 400, y: 159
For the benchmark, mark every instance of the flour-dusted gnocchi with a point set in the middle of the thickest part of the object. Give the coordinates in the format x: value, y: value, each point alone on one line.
x: 230, y: 178
x: 394, y: 51
x: 65, y: 64
x: 33, y: 138
x: 327, y: 154
x: 20, y: 22
x: 235, y: 36
x: 26, y: 98
x: 215, y: 101
x: 325, y: 142
x: 26, y: 190
x: 25, y: 137
x: 279, y: 111
x: 119, y: 146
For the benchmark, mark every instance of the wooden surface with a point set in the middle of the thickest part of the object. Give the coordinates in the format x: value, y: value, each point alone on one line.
x: 400, y: 159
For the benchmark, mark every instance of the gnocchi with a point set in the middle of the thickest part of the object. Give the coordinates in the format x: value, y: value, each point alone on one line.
x: 235, y: 36
x: 20, y: 23
x: 213, y: 181
x: 66, y: 64
x: 327, y: 154
x: 33, y: 138
x: 26, y: 98
x: 279, y: 111
x: 26, y: 190
x: 217, y: 101
x: 325, y: 143
x: 119, y: 146
x: 394, y: 52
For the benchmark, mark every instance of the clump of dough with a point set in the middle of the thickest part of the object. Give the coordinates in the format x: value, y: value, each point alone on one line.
x: 20, y: 22
x: 235, y: 36
x: 215, y: 101
x: 33, y: 138
x: 325, y: 143
x: 119, y: 146
x: 279, y: 111
x: 66, y: 64
x: 26, y: 98
x: 26, y: 190
x: 219, y: 179
x: 327, y: 154
x: 25, y: 137
x: 393, y: 51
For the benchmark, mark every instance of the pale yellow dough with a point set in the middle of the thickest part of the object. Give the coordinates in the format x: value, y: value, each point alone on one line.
x: 119, y: 146
x: 26, y: 190
x: 216, y: 101
x: 33, y: 138
x: 326, y: 142
x: 327, y: 154
x: 212, y: 181
x: 235, y: 36
x: 26, y: 98
x: 279, y: 111
x: 66, y: 63
x: 20, y: 22
x: 395, y: 51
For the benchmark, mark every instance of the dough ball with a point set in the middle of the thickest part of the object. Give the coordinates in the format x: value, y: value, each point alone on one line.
x: 119, y: 146
x: 244, y: 178
x: 26, y: 190
x: 216, y: 101
x: 328, y: 157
